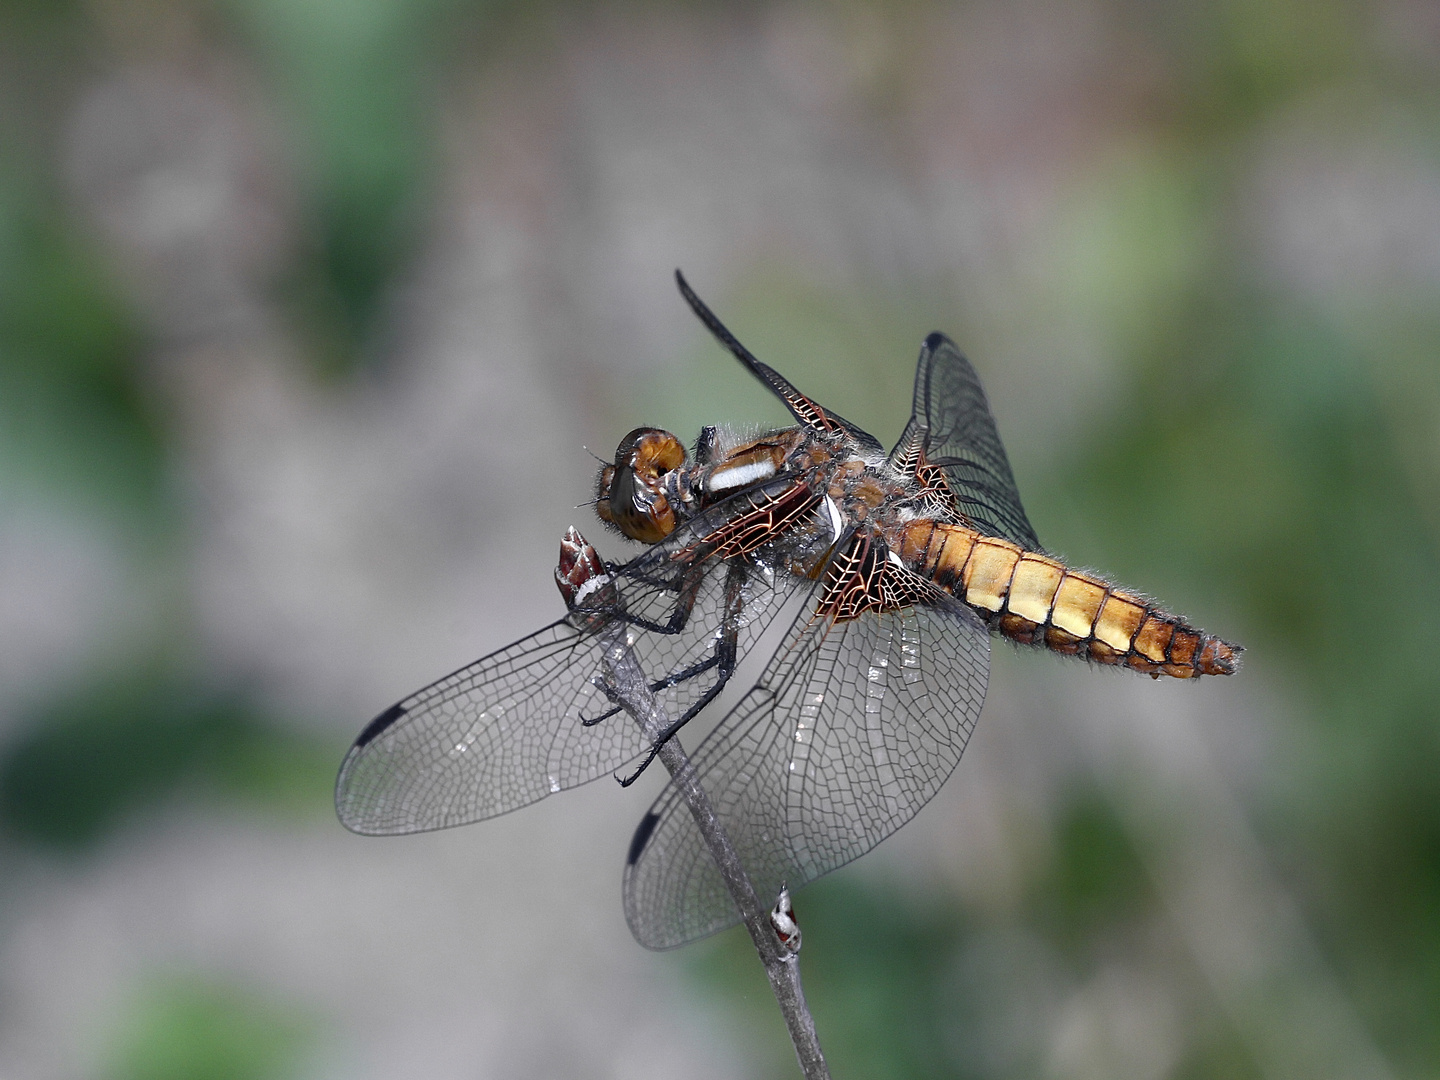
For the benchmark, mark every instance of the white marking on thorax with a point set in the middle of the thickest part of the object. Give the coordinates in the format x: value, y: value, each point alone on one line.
x: 895, y: 558
x: 836, y: 524
x: 740, y: 475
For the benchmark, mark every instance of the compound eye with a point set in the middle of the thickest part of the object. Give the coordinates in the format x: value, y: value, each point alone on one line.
x: 641, y: 511
x: 629, y: 492
x: 604, y: 484
x: 650, y: 452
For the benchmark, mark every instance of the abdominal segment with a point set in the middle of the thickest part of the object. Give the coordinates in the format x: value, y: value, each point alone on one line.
x: 1034, y: 599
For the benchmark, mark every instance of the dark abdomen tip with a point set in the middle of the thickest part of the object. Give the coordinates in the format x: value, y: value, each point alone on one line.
x: 1218, y: 658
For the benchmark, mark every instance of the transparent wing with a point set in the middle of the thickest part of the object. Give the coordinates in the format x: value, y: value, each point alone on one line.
x: 493, y: 736
x: 804, y: 409
x: 507, y: 730
x: 961, y: 439
x: 846, y: 735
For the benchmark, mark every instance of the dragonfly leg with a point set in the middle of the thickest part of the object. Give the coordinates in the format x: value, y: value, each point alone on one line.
x: 725, y: 657
x: 685, y: 606
x: 723, y: 660
x: 659, y: 684
x: 686, y: 590
x: 677, y: 621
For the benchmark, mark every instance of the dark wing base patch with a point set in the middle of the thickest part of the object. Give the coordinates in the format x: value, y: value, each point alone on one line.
x: 952, y: 433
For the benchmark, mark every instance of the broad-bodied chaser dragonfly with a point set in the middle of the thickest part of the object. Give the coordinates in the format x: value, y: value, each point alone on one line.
x: 893, y: 569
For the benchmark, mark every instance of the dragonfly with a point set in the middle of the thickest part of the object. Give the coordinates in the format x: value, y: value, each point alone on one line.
x: 868, y: 583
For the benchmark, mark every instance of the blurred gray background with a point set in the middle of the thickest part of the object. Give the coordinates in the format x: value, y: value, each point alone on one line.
x: 309, y: 311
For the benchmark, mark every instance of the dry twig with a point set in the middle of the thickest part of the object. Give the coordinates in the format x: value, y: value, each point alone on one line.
x: 631, y: 691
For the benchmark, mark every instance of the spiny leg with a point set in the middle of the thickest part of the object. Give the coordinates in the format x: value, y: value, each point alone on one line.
x: 726, y: 668
x: 724, y: 660
x: 679, y: 619
x: 688, y: 590
x: 660, y: 684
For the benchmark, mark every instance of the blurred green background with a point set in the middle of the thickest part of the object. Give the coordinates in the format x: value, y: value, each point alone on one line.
x: 308, y: 312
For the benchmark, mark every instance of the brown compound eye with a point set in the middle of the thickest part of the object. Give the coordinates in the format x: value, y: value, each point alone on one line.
x: 628, y: 493
x: 604, y: 484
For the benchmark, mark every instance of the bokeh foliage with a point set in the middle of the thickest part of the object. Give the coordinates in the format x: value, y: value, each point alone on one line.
x: 185, y: 1028
x: 115, y: 748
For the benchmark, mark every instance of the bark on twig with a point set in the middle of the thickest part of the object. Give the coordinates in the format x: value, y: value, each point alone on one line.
x: 632, y: 693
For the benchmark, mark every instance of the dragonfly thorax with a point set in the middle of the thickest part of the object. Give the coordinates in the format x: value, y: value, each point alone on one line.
x: 653, y: 486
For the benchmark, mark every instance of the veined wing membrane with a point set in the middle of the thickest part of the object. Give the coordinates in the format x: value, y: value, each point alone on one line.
x: 801, y: 407
x: 962, y: 440
x: 846, y: 735
x: 492, y: 737
x: 508, y: 729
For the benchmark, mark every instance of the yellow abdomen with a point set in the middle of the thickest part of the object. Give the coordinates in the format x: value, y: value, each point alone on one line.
x: 1036, y: 600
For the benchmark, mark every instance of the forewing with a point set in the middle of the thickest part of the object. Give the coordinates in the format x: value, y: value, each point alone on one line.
x: 803, y: 408
x: 507, y: 730
x: 846, y: 735
x: 493, y: 736
x: 961, y: 439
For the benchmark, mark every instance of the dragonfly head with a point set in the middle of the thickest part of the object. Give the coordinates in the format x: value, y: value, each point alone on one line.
x: 630, y: 495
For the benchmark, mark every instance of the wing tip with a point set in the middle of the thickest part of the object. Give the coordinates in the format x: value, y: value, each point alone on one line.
x: 352, y: 824
x: 379, y: 724
x: 691, y: 298
x: 643, y: 832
